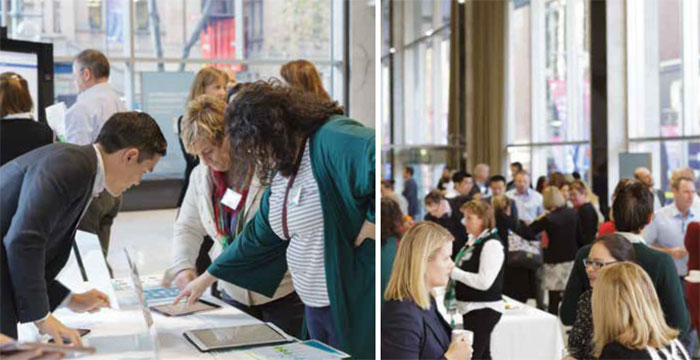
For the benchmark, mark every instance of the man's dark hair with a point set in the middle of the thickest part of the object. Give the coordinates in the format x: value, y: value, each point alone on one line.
x: 576, y: 175
x: 433, y: 197
x: 497, y: 178
x: 95, y: 61
x: 458, y: 176
x: 132, y: 129
x: 632, y: 207
x: 518, y: 165
x: 409, y: 169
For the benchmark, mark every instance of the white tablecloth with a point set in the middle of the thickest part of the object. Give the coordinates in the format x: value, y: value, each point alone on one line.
x: 523, y: 333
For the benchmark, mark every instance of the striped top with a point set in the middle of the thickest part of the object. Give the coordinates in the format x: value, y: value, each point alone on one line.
x: 305, y: 254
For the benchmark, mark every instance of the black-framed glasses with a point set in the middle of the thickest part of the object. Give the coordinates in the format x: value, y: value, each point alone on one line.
x: 596, y: 264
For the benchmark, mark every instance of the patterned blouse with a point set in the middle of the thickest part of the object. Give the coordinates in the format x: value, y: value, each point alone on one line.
x: 581, y: 336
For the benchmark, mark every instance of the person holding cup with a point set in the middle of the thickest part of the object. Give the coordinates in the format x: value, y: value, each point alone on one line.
x: 476, y: 289
x: 412, y: 327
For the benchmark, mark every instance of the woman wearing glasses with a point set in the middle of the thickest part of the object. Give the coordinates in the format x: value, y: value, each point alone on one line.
x: 607, y: 249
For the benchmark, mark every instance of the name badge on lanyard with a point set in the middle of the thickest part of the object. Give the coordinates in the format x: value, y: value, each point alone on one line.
x: 294, y: 195
x: 231, y: 199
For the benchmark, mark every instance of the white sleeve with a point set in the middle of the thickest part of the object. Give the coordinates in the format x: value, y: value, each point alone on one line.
x: 189, y: 231
x: 78, y: 125
x: 490, y: 263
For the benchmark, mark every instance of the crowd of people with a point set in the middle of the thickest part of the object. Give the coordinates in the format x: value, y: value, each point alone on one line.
x: 619, y: 284
x: 293, y: 247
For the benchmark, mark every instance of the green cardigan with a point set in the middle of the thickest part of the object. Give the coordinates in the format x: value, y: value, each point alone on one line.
x: 342, y: 160
x: 663, y: 274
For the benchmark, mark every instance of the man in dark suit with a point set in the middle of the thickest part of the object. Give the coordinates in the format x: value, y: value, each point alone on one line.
x: 440, y: 211
x: 410, y: 192
x: 497, y: 183
x: 43, y: 195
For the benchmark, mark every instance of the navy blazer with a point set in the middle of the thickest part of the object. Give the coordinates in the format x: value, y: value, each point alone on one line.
x: 409, y: 332
x: 43, y: 194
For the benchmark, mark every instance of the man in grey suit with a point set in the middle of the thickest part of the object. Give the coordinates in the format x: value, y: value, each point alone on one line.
x: 43, y: 195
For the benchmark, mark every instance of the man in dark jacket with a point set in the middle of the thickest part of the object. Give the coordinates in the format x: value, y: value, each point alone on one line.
x: 410, y: 192
x: 441, y: 212
x: 43, y: 195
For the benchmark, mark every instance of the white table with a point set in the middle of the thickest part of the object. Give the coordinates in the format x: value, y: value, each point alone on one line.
x: 121, y: 332
x: 525, y: 333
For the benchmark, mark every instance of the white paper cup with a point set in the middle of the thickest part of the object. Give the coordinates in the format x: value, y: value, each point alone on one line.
x: 459, y: 332
x: 695, y: 274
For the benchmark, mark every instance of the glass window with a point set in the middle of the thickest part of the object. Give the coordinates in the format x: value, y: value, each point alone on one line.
x: 549, y: 79
x: 663, y: 102
x: 253, y: 38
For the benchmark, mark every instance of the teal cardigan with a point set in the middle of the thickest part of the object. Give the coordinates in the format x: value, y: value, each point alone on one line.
x: 342, y: 160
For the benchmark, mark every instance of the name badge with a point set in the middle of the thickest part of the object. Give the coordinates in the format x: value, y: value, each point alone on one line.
x: 231, y: 199
x: 294, y: 195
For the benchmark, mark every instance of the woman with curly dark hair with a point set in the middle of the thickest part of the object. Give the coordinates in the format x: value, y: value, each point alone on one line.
x: 315, y: 216
x: 392, y: 222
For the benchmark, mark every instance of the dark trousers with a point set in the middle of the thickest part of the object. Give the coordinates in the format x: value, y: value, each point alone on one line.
x: 481, y: 322
x: 554, y: 300
x: 286, y: 313
x: 319, y: 321
x: 99, y: 217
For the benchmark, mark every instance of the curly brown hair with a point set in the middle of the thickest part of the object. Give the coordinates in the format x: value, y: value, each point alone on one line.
x: 392, y: 219
x: 267, y: 122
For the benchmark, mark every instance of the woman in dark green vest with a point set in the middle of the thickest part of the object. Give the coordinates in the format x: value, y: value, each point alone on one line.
x: 314, y: 218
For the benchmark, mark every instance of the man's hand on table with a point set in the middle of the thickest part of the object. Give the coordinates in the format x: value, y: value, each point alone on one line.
x: 90, y: 301
x: 57, y: 331
x: 195, y: 288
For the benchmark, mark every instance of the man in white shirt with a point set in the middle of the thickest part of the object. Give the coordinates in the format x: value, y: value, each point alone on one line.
x: 666, y: 232
x: 527, y: 200
x: 96, y: 103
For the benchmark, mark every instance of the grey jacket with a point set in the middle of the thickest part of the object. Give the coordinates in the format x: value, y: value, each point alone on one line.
x: 43, y: 195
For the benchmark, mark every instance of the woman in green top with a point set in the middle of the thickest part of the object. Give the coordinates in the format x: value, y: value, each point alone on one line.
x: 316, y: 161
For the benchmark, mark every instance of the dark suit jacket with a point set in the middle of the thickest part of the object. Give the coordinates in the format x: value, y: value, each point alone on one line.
x: 43, y: 194
x: 18, y: 136
x: 409, y: 332
x: 410, y: 192
x: 453, y: 224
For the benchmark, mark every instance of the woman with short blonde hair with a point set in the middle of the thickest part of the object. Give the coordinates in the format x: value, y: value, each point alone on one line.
x: 208, y: 81
x: 628, y: 322
x: 552, y: 198
x: 205, y: 213
x: 476, y: 289
x: 422, y: 263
